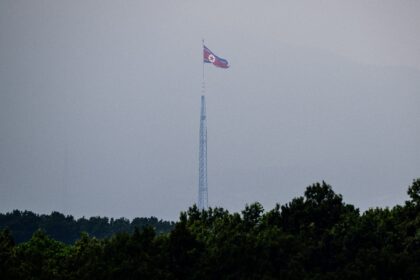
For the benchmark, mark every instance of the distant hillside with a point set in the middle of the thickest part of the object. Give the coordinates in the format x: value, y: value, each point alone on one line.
x: 23, y: 224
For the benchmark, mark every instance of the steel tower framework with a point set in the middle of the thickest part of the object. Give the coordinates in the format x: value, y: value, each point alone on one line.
x: 202, y: 169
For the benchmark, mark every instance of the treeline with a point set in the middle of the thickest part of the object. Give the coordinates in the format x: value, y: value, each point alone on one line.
x: 23, y: 224
x: 316, y: 236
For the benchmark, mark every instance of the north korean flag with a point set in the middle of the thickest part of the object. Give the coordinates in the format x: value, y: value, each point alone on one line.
x: 210, y: 57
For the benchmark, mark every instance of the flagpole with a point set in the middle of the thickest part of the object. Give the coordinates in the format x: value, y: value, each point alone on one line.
x: 203, y: 89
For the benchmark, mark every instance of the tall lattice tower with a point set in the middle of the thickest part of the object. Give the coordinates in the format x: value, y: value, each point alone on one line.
x: 202, y: 169
x: 203, y: 201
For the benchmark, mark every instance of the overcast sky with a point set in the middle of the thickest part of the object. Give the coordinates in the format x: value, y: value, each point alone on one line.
x: 100, y: 100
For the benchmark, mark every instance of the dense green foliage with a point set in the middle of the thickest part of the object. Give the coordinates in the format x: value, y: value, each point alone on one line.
x: 316, y: 236
x: 23, y: 224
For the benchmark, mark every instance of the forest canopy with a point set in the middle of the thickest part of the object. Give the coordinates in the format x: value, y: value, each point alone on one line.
x: 23, y: 224
x: 315, y: 236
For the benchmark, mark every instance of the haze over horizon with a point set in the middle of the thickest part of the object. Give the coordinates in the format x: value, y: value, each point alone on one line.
x: 99, y: 103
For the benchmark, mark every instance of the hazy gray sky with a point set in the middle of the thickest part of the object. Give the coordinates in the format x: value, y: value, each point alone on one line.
x: 99, y: 103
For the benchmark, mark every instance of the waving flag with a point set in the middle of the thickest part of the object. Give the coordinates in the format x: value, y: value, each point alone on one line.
x: 210, y: 57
